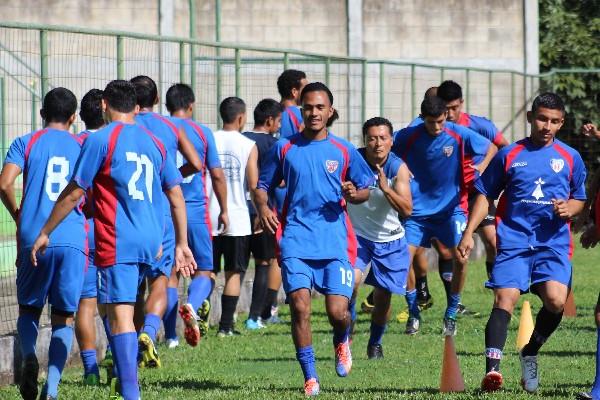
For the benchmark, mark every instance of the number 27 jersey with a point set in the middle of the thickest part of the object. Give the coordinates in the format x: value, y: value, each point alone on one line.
x: 128, y: 168
x: 47, y: 158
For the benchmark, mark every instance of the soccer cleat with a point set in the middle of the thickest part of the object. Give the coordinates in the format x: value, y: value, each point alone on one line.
x: 530, y: 379
x: 172, y: 343
x: 254, y: 324
x: 274, y: 319
x: 147, y: 354
x: 91, y: 380
x: 412, y: 326
x: 375, y: 352
x: 425, y: 303
x: 449, y: 327
x: 584, y: 396
x: 402, y: 316
x: 492, y: 381
x: 467, y: 312
x: 367, y: 304
x: 191, y: 331
x: 343, y: 359
x: 222, y: 333
x: 311, y: 387
x: 28, y: 386
x: 203, y: 314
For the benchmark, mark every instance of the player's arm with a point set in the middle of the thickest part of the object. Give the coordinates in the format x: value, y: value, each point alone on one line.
x: 354, y: 195
x: 477, y: 214
x: 186, y: 148
x: 399, y: 195
x: 9, y: 174
x: 66, y: 202
x: 270, y: 177
x: 500, y: 141
x: 184, y: 260
x: 491, y: 152
x: 567, y: 209
x: 252, y: 170
x: 219, y: 185
x: 590, y: 129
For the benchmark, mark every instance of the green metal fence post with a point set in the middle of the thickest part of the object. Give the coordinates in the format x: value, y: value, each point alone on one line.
x: 286, y: 60
x: 3, y: 124
x: 442, y: 73
x: 238, y: 67
x: 363, y: 92
x: 327, y: 70
x: 34, y: 111
x: 468, y: 81
x: 512, y: 106
x: 181, y: 62
x: 44, y: 61
x: 490, y: 105
x: 381, y: 89
x: 413, y: 93
x: 120, y: 58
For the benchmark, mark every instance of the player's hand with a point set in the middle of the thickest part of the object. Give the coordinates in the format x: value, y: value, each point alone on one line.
x: 268, y: 219
x: 184, y: 261
x: 561, y: 208
x: 40, y: 244
x: 223, y: 222
x: 159, y: 254
x: 382, y: 180
x: 256, y: 226
x: 349, y: 191
x: 590, y: 237
x: 590, y: 129
x: 465, y: 246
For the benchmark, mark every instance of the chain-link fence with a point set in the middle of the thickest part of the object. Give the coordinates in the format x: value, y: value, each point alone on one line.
x: 36, y: 58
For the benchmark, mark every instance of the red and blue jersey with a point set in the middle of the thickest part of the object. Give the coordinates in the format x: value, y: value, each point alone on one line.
x: 291, y: 121
x: 88, y: 198
x: 314, y: 221
x: 128, y: 169
x: 47, y: 158
x: 438, y: 185
x: 529, y: 178
x: 194, y: 186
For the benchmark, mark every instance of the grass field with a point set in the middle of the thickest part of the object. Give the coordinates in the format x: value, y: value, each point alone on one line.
x: 261, y: 365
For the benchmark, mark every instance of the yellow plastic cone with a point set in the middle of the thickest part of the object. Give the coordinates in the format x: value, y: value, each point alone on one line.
x: 570, y: 308
x: 525, y: 326
x: 451, y: 379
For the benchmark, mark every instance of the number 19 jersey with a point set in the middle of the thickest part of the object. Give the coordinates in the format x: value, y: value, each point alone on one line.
x: 47, y: 158
x: 128, y: 169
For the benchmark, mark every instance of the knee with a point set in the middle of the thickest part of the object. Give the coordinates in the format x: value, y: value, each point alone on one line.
x: 555, y: 304
x: 337, y: 313
x: 506, y: 303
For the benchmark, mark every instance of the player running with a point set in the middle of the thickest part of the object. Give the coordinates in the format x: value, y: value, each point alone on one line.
x: 379, y: 232
x: 322, y: 173
x: 542, y: 182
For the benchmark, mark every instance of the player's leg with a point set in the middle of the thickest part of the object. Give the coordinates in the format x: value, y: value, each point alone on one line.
x: 262, y: 250
x: 85, y: 325
x: 594, y: 394
x: 236, y: 263
x: 140, y: 305
x: 379, y: 319
x: 362, y: 261
x: 414, y: 313
x: 156, y: 303
x: 270, y: 310
x: 170, y: 315
x: 421, y: 263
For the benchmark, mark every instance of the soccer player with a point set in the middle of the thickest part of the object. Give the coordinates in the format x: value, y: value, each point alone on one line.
x: 46, y: 159
x: 90, y: 113
x: 542, y: 182
x: 439, y: 199
x: 174, y: 139
x: 127, y: 168
x: 180, y: 103
x: 267, y: 120
x: 238, y: 156
x: 317, y: 243
x: 290, y: 84
x: 379, y: 232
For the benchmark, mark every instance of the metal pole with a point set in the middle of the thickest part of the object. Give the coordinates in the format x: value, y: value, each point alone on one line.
x: 238, y: 67
x: 327, y: 70
x: 286, y: 60
x: 363, y: 92
x: 442, y: 74
x: 467, y: 102
x: 3, y: 117
x: 413, y: 92
x: 192, y: 7
x: 44, y: 61
x: 181, y: 62
x: 490, y: 106
x: 120, y: 57
x: 34, y: 111
x: 218, y: 51
x: 512, y: 105
x: 381, y: 89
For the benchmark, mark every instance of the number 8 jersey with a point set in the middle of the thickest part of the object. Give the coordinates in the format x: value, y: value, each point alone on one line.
x: 47, y: 158
x: 128, y: 169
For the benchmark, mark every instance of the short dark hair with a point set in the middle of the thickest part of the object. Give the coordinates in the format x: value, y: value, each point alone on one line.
x: 230, y: 108
x: 288, y: 80
x: 90, y: 110
x: 145, y: 90
x: 120, y: 95
x: 59, y: 105
x: 548, y: 100
x: 377, y: 121
x: 317, y: 87
x: 267, y: 108
x: 179, y: 97
x: 449, y: 91
x: 433, y: 106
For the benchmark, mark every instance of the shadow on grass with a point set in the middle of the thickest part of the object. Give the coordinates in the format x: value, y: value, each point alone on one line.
x: 189, y: 384
x: 282, y: 358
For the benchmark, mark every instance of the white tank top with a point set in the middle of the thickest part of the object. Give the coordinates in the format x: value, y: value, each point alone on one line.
x: 375, y: 219
x: 234, y: 150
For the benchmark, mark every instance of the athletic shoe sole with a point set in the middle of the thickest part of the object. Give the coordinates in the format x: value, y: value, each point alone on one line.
x: 492, y: 381
x: 28, y: 387
x: 149, y: 354
x: 191, y: 331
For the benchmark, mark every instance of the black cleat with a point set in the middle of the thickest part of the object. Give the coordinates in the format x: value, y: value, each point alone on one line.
x: 412, y: 326
x: 467, y: 312
x: 28, y: 386
x: 375, y: 352
x: 584, y: 396
x: 425, y: 303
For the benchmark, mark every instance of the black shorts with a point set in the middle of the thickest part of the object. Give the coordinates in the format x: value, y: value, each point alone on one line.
x: 490, y: 218
x: 235, y: 251
x: 262, y: 245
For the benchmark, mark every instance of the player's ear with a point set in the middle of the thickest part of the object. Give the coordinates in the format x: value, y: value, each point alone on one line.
x: 42, y: 114
x: 529, y: 116
x: 136, y: 109
x: 72, y: 119
x: 156, y: 100
x: 103, y: 105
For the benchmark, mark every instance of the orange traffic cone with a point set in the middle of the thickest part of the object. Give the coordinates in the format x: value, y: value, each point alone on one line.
x: 570, y: 308
x: 525, y: 326
x: 451, y: 379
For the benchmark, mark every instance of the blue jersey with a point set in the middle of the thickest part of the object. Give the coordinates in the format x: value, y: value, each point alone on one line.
x: 264, y: 142
x: 128, y: 169
x: 89, y: 200
x: 529, y: 177
x: 314, y: 221
x: 481, y: 125
x: 47, y: 158
x: 194, y: 186
x: 291, y: 120
x: 438, y: 185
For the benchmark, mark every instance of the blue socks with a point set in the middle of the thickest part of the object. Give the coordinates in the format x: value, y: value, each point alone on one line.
x: 170, y: 317
x: 352, y: 308
x: 452, y: 308
x: 376, y: 334
x: 60, y: 346
x: 199, y: 290
x: 27, y: 327
x: 151, y: 325
x: 90, y: 365
x: 125, y: 349
x: 306, y: 358
x: 413, y: 306
x: 596, y: 387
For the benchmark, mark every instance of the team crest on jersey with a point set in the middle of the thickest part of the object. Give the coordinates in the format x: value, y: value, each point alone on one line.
x: 557, y: 164
x: 448, y: 150
x: 332, y: 165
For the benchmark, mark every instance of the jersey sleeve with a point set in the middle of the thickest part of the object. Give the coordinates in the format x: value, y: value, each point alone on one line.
x: 492, y: 182
x: 577, y: 184
x: 271, y: 170
x: 487, y: 129
x: 475, y: 144
x: 212, y: 155
x: 16, y: 153
x: 169, y: 174
x: 358, y: 172
x: 92, y: 157
x: 399, y: 142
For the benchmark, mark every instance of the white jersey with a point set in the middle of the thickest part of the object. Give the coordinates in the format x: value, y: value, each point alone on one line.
x: 375, y: 219
x: 234, y: 150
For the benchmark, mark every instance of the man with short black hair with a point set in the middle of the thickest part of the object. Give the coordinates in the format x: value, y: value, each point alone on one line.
x: 290, y: 84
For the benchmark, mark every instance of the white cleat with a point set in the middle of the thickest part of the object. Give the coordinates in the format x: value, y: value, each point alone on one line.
x: 172, y: 343
x: 530, y: 379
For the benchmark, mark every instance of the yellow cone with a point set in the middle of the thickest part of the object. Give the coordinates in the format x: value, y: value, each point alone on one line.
x: 525, y: 326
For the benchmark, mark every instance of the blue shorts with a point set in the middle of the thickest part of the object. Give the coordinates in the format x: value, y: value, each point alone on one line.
x: 58, y: 277
x: 200, y: 242
x: 447, y: 229
x: 522, y: 268
x: 389, y: 263
x: 119, y: 283
x: 164, y: 265
x: 90, y: 280
x: 331, y: 276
